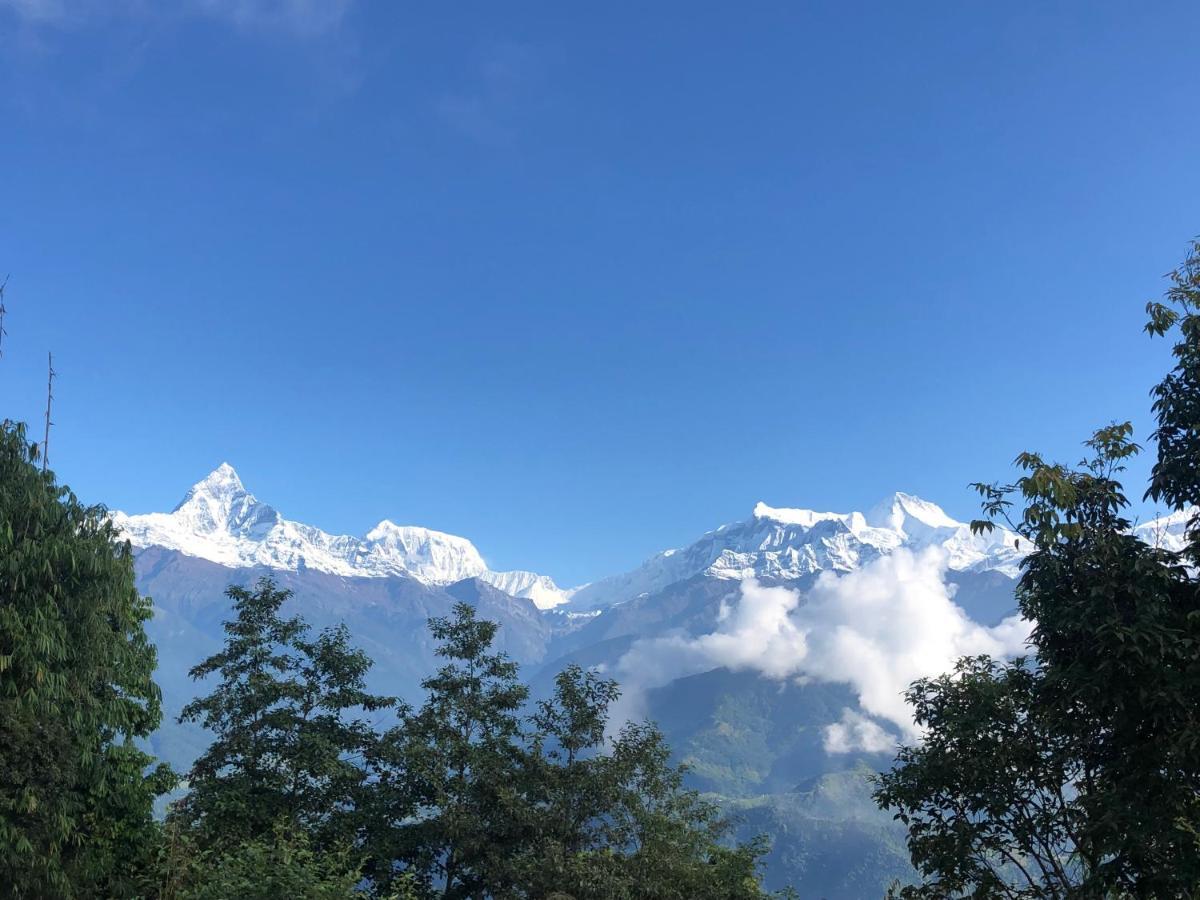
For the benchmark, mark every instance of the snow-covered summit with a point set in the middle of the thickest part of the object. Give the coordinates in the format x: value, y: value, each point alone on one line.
x: 219, y: 520
x: 221, y: 503
x: 910, y: 515
x: 1167, y: 532
x: 431, y: 556
x: 780, y: 544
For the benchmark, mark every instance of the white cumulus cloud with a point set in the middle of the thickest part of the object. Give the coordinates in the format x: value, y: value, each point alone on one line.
x: 857, y: 732
x: 877, y: 629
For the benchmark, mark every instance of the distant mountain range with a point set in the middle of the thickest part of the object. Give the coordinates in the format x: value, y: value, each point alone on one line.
x: 220, y: 521
x: 761, y: 744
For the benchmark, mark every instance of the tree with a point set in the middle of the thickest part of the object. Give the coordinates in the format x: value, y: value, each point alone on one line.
x: 76, y: 691
x: 286, y: 746
x: 570, y: 783
x: 616, y: 821
x: 1079, y: 768
x: 488, y: 800
x: 666, y: 841
x: 281, y: 863
x: 459, y: 755
x: 986, y: 796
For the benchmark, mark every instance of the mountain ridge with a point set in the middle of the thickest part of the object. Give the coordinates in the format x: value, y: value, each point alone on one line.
x: 785, y: 544
x: 220, y: 521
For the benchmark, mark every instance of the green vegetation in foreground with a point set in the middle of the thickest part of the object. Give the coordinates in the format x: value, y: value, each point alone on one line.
x: 1076, y: 772
x: 75, y: 691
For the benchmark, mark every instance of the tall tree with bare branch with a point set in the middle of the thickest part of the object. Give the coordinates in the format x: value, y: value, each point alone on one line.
x: 3, y: 311
x: 49, y: 400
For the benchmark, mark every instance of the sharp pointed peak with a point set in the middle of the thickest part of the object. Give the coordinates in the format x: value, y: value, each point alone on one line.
x: 223, y: 481
x: 894, y: 509
x: 387, y: 526
x: 223, y: 477
x: 224, y: 473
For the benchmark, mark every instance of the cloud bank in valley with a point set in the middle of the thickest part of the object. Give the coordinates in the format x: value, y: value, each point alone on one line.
x: 876, y: 629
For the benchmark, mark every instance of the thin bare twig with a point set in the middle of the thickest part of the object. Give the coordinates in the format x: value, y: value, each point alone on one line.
x: 49, y: 400
x: 3, y: 310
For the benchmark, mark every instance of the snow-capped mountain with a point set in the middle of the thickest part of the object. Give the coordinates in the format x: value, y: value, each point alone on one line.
x: 1167, y: 532
x: 782, y: 544
x: 220, y: 521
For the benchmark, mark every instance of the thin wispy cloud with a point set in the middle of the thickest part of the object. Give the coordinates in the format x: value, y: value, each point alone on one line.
x: 303, y: 18
x: 44, y: 12
x: 298, y: 18
x: 487, y: 109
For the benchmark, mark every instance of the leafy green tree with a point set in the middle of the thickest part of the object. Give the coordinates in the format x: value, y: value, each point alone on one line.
x: 286, y: 746
x: 1079, y: 769
x: 76, y: 691
x: 608, y: 822
x: 666, y: 841
x: 495, y: 801
x: 571, y: 786
x: 987, y: 794
x: 460, y: 756
x: 279, y: 864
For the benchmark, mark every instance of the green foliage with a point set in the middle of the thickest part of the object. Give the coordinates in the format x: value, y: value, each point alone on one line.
x: 1077, y: 773
x: 477, y: 799
x: 75, y: 691
x: 457, y: 759
x: 662, y: 840
x: 572, y: 789
x: 618, y: 824
x: 1174, y: 480
x: 986, y: 797
x: 281, y: 863
x: 285, y: 746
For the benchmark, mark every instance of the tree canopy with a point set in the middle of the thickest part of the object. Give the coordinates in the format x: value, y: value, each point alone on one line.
x: 1076, y: 772
x: 76, y: 690
x: 289, y: 738
x: 492, y: 798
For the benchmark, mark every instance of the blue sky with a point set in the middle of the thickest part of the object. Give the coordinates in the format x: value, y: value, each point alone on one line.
x: 582, y: 281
